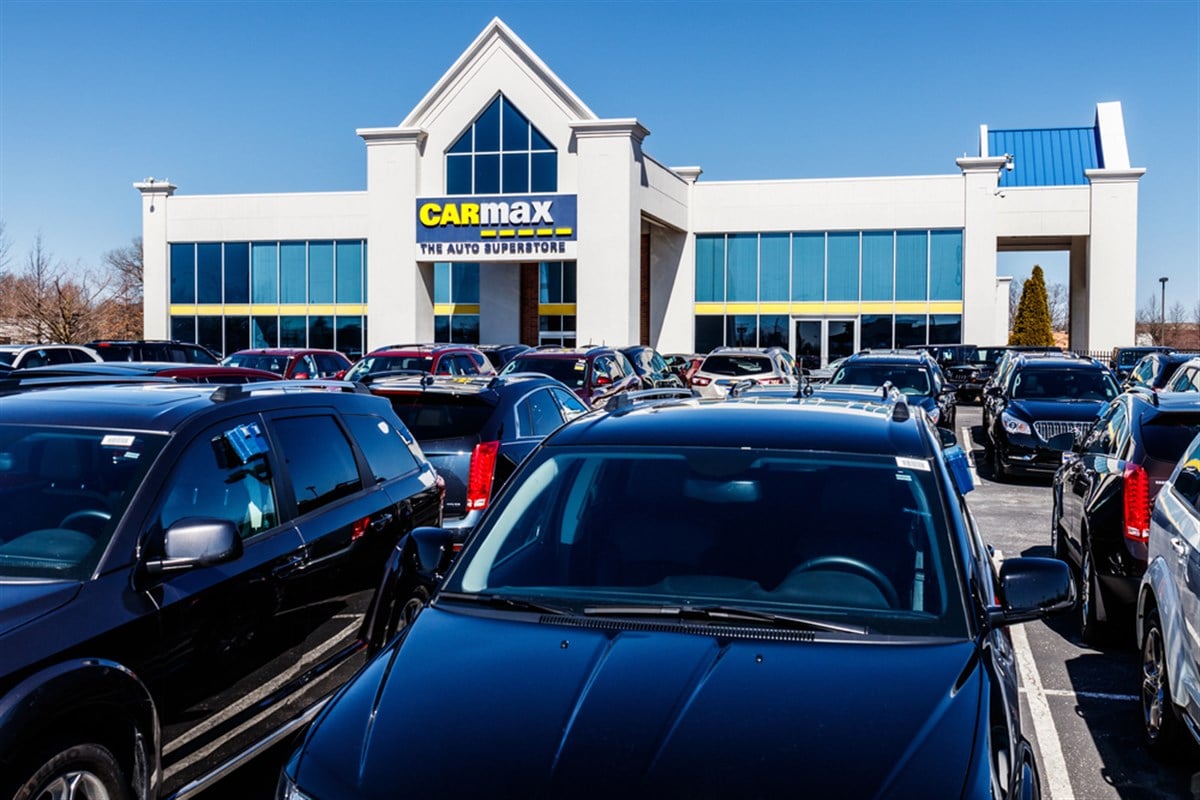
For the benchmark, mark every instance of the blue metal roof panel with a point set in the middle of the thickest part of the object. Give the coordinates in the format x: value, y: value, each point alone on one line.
x: 1046, y: 156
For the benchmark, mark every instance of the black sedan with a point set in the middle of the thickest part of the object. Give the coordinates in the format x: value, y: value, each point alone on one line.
x: 578, y: 650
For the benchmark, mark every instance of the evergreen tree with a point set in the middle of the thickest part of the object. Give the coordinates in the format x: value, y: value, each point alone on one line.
x: 1031, y: 326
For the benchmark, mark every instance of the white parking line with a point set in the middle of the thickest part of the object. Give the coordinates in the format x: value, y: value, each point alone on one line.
x: 1121, y: 698
x: 965, y: 433
x: 1054, y: 766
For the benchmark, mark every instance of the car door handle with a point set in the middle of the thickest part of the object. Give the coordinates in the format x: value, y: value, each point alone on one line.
x: 381, y: 522
x: 293, y: 564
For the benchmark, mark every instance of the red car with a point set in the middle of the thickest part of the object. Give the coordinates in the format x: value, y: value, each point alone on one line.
x: 295, y: 363
x: 436, y: 359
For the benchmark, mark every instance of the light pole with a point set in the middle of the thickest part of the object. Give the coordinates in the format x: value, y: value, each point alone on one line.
x: 1162, y: 325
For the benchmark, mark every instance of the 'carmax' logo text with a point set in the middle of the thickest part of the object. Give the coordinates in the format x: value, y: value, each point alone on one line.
x: 536, y: 212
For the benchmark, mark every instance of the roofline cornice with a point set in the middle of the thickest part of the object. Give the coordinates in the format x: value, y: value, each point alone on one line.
x: 981, y: 163
x: 155, y: 186
x: 1114, y: 175
x: 399, y: 135
x: 598, y: 128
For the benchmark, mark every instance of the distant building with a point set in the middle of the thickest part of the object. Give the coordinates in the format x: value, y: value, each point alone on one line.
x: 502, y: 209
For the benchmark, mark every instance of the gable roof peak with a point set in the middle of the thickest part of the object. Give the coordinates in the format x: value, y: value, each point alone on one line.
x: 496, y: 34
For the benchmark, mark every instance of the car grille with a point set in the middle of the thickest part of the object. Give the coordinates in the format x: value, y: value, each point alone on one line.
x: 1048, y: 430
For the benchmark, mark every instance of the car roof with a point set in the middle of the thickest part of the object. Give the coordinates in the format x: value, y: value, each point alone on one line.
x: 1057, y: 360
x: 863, y: 423
x: 450, y: 384
x: 565, y: 352
x: 164, y: 407
x: 920, y: 357
x: 419, y: 348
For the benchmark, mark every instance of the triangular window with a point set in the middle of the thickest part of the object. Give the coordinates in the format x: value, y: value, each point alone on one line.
x: 501, y: 153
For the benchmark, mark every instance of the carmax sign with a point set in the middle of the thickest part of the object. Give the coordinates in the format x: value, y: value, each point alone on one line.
x: 496, y: 226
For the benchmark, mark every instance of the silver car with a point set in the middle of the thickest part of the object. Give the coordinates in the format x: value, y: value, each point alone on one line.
x: 726, y: 366
x: 1167, y: 610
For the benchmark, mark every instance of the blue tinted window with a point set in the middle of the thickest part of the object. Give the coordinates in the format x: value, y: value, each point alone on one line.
x: 710, y: 269
x: 487, y: 129
x: 710, y: 333
x: 441, y: 283
x: 183, y: 275
x: 293, y: 332
x: 742, y: 268
x: 516, y: 173
x: 208, y: 273
x: 210, y: 333
x: 292, y: 278
x: 237, y: 334
x: 773, y: 269
x: 349, y: 272
x: 458, y: 174
x: 877, y: 265
x: 501, y: 152
x: 808, y: 266
x: 910, y: 329
x: 464, y: 283
x: 320, y: 272
x: 183, y: 328
x: 464, y: 329
x: 945, y: 265
x: 741, y: 330
x: 568, y: 281
x: 237, y: 272
x: 320, y: 332
x: 349, y: 337
x: 550, y: 282
x: 265, y: 272
x: 911, y: 252
x: 487, y: 174
x: 843, y: 266
x: 264, y: 332
x: 875, y: 331
x: 441, y: 327
x: 545, y: 173
x: 773, y: 330
x: 945, y: 328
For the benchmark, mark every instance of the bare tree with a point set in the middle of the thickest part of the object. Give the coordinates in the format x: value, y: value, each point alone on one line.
x: 51, y: 306
x: 122, y: 311
x: 1149, y: 320
x: 1058, y: 297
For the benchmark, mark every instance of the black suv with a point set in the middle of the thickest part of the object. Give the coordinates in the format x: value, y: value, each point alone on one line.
x: 153, y: 350
x: 1156, y: 370
x: 973, y: 373
x: 652, y: 368
x: 913, y: 373
x: 1103, y: 496
x: 476, y: 431
x: 1038, y: 401
x: 184, y: 572
x: 593, y: 373
x: 1123, y: 359
x: 631, y: 600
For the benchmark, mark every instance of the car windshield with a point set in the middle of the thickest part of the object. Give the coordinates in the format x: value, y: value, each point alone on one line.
x: 63, y: 490
x: 908, y: 379
x: 1064, y: 384
x: 431, y: 415
x: 564, y: 535
x: 736, y: 365
x: 571, y: 371
x: 276, y: 364
x: 373, y: 365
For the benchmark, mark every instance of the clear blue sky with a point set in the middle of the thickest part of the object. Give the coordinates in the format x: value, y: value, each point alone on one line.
x: 236, y: 97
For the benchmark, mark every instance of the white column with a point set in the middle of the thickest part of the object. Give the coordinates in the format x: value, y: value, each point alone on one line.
x: 1112, y: 259
x: 156, y: 288
x: 608, y: 275
x: 399, y: 296
x: 678, y: 331
x: 981, y: 176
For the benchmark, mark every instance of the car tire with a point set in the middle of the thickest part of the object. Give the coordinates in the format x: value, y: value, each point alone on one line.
x: 1092, y: 630
x: 80, y: 772
x: 998, y: 471
x: 1162, y: 730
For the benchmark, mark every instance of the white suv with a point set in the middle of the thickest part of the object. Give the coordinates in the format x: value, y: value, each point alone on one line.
x: 23, y: 356
x: 1167, y: 609
x: 726, y: 366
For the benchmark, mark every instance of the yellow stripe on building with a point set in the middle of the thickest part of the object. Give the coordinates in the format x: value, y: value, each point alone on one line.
x: 563, y: 231
x: 507, y: 233
x: 487, y: 233
x: 545, y: 231
x: 525, y: 232
x: 556, y: 308
x: 442, y: 309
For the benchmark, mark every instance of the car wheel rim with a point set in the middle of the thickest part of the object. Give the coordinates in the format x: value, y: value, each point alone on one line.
x: 77, y: 785
x: 1153, y: 683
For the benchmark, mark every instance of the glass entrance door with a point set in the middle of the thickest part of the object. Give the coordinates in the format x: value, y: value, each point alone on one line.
x: 820, y: 341
x: 807, y: 348
x: 839, y: 338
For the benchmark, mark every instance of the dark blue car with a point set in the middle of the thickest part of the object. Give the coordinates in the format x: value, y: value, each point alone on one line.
x: 913, y: 373
x: 716, y: 644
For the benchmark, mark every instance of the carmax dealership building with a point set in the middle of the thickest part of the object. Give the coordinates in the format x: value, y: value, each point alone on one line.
x: 503, y: 209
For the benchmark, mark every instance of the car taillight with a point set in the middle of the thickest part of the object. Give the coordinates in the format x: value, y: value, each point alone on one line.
x: 479, y: 478
x: 1137, y: 504
x: 700, y: 381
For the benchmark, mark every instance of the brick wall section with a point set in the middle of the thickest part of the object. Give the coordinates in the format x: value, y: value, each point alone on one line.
x: 529, y: 304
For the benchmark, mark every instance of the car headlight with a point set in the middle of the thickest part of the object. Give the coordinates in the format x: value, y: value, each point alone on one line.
x: 1014, y: 425
x: 288, y: 790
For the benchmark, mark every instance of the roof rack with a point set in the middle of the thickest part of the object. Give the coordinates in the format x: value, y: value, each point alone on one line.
x: 627, y: 399
x: 371, y: 377
x: 237, y: 391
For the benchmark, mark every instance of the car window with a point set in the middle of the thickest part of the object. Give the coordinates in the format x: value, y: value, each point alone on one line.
x: 910, y: 380
x: 1063, y: 384
x: 219, y: 478
x: 538, y: 414
x: 1166, y: 436
x: 388, y: 449
x: 553, y: 535
x: 1187, y: 380
x: 1190, y: 463
x: 80, y: 356
x: 63, y: 491
x: 1144, y: 371
x: 570, y: 371
x: 570, y: 406
x: 434, y: 415
x: 327, y: 365
x: 1099, y: 437
x: 737, y: 365
x: 320, y: 461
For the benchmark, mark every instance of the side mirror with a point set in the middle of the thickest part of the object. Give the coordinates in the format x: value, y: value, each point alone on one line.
x: 960, y: 469
x: 1032, y: 588
x: 947, y: 438
x: 197, y: 542
x: 433, y: 550
x: 949, y: 388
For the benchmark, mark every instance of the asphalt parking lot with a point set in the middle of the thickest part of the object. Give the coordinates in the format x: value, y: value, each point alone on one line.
x: 1080, y: 706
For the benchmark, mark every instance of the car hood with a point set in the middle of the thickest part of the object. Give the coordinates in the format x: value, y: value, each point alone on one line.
x: 1060, y: 410
x: 464, y: 701
x: 23, y: 602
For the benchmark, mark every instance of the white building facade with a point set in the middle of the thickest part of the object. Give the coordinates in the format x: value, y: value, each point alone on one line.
x: 502, y: 209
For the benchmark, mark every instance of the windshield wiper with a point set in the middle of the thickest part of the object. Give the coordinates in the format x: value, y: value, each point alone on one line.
x: 503, y: 602
x: 722, y: 614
